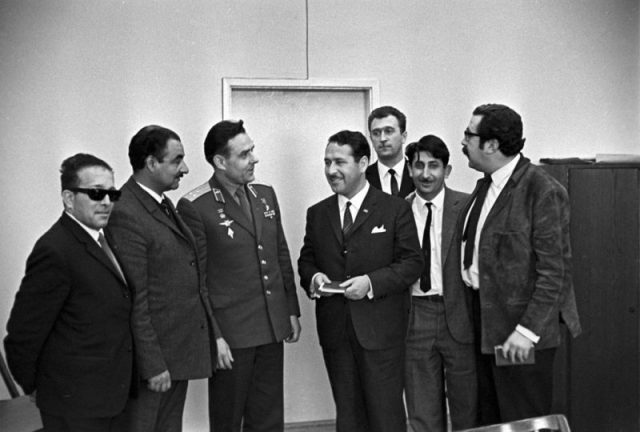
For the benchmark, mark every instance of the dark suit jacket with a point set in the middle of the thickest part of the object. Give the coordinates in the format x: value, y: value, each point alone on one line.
x: 407, y: 186
x: 525, y: 260
x: 391, y: 258
x: 457, y: 297
x: 249, y: 273
x: 171, y: 315
x: 69, y: 334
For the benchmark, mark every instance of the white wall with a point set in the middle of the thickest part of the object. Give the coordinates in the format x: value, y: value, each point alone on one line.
x: 85, y: 75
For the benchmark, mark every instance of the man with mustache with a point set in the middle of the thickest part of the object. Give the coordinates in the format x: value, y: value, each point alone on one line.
x: 172, y: 318
x: 516, y: 259
x: 388, y: 132
x: 440, y: 337
x: 238, y: 225
x: 364, y: 242
x: 69, y: 340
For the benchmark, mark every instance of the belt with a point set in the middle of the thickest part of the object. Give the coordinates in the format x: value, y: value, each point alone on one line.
x: 431, y: 298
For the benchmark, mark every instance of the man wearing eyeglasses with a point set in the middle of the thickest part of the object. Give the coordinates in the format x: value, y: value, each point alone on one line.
x: 69, y: 342
x: 171, y: 315
x: 516, y: 259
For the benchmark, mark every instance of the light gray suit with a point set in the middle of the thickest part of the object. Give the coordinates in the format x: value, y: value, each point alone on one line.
x: 440, y: 340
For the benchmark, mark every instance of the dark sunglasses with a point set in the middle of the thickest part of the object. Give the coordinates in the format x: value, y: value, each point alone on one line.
x: 99, y: 194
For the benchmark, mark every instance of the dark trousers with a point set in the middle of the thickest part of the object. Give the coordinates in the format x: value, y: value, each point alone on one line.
x: 157, y: 411
x: 508, y: 393
x: 433, y: 357
x: 250, y: 396
x: 366, y: 385
x: 54, y: 423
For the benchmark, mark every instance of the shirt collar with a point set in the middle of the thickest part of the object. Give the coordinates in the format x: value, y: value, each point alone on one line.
x: 225, y: 183
x: 357, y: 199
x: 398, y: 168
x: 94, y: 233
x: 437, y: 201
x: 500, y: 176
x: 153, y: 194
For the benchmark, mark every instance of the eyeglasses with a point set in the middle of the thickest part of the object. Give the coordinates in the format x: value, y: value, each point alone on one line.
x: 468, y: 134
x: 99, y: 194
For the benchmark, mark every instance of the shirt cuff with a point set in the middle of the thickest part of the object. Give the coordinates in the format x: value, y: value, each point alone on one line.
x: 370, y: 292
x: 527, y: 333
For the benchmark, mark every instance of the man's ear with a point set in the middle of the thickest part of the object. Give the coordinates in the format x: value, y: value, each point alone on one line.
x: 218, y: 162
x: 491, y: 146
x: 363, y: 163
x: 67, y: 199
x: 150, y: 163
x: 447, y: 171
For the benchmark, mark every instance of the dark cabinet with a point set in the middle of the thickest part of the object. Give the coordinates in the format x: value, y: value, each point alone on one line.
x: 597, y: 374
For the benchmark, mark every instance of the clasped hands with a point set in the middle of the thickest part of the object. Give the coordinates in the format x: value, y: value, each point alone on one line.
x: 356, y: 287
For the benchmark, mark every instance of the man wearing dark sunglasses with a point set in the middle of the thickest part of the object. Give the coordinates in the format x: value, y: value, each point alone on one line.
x: 172, y: 316
x: 69, y: 341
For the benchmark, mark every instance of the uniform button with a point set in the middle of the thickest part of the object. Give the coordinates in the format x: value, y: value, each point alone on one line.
x: 348, y: 276
x: 344, y: 251
x: 265, y: 277
x: 268, y: 292
x: 192, y: 263
x: 263, y: 262
x: 259, y: 247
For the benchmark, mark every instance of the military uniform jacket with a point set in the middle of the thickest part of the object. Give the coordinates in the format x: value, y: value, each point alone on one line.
x: 249, y: 273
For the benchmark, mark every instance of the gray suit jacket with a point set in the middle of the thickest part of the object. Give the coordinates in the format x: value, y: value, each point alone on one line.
x: 457, y: 297
x: 171, y: 315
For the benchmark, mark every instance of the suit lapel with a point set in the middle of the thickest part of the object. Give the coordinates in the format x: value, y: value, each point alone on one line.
x: 90, y: 245
x: 451, y: 208
x: 256, y: 208
x: 374, y: 178
x: 152, y: 206
x: 233, y: 209
x: 505, y: 194
x: 407, y: 182
x: 333, y: 216
x: 368, y: 205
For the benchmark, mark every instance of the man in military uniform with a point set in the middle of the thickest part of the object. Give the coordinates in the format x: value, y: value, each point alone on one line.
x: 250, y: 281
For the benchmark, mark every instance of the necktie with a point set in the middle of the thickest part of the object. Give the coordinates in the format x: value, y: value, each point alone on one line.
x: 166, y: 208
x: 469, y: 235
x: 347, y: 220
x: 393, y: 182
x: 244, y: 202
x: 107, y: 250
x: 425, y: 279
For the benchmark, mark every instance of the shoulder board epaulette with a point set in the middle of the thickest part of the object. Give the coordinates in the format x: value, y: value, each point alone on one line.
x: 197, y: 192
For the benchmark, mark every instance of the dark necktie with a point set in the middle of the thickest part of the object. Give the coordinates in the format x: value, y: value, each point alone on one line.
x: 347, y: 220
x: 393, y: 182
x: 469, y: 235
x: 166, y: 208
x: 109, y: 253
x: 425, y: 279
x: 244, y: 202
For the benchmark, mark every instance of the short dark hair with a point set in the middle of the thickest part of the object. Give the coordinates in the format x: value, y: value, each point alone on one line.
x: 217, y: 139
x: 503, y: 124
x: 431, y: 144
x: 72, y: 165
x: 149, y: 141
x: 385, y: 111
x: 358, y: 143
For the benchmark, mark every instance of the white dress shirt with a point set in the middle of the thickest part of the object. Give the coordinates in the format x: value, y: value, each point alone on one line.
x: 470, y: 276
x: 420, y: 212
x: 385, y: 177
